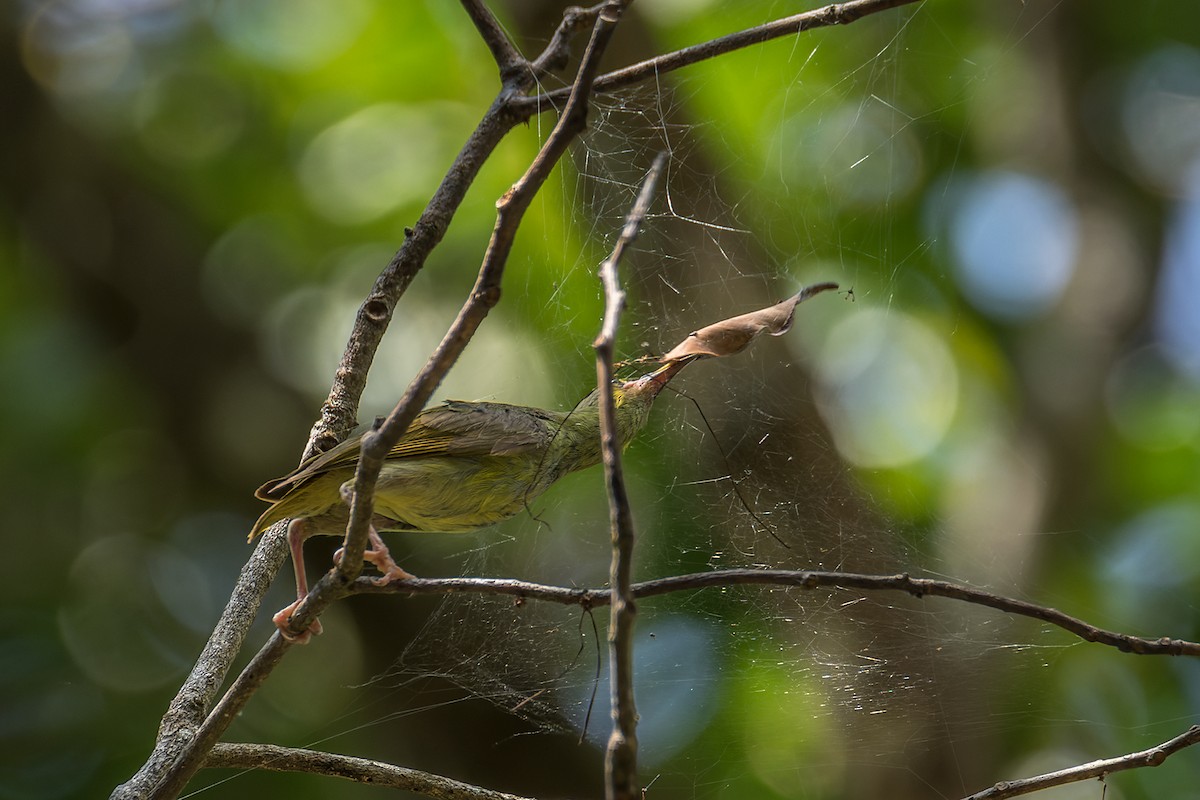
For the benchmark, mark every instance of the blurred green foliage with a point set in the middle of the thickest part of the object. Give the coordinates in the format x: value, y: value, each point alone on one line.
x: 198, y: 195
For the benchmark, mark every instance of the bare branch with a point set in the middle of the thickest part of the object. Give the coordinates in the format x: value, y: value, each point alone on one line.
x: 826, y: 16
x: 802, y: 579
x: 197, y: 748
x: 362, y: 770
x: 508, y: 58
x: 620, y: 764
x: 339, y: 413
x: 485, y: 294
x: 554, y: 57
x: 1096, y: 769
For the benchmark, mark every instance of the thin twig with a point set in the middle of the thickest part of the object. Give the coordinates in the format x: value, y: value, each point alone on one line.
x: 362, y: 770
x: 802, y: 579
x: 620, y: 763
x: 1096, y: 769
x: 339, y: 413
x: 557, y: 51
x: 197, y: 748
x: 508, y: 57
x: 826, y: 16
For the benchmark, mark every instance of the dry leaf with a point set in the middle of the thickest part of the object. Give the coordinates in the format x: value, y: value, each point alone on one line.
x: 733, y: 335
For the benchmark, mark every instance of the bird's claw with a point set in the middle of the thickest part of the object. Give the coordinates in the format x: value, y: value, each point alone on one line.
x: 394, y: 574
x: 383, y: 562
x: 283, y: 621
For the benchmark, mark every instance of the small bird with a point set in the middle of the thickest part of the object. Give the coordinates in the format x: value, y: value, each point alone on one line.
x: 461, y: 466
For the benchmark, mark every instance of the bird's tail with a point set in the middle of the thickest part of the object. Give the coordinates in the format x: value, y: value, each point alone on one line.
x: 275, y: 513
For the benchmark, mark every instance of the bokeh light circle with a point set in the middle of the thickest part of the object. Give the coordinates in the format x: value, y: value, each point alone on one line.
x: 1014, y: 239
x: 373, y: 161
x: 889, y: 388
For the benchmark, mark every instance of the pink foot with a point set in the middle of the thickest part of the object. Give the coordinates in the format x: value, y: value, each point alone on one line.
x: 382, y: 560
x: 283, y: 620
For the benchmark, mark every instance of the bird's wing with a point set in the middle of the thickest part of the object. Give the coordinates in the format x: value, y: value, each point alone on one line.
x: 455, y: 428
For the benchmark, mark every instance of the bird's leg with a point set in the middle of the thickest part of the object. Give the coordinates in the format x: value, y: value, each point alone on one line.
x: 378, y: 553
x: 297, y: 533
x: 379, y: 556
x: 382, y: 559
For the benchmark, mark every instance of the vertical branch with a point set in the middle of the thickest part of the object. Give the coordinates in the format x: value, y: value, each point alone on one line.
x: 508, y: 58
x: 620, y: 762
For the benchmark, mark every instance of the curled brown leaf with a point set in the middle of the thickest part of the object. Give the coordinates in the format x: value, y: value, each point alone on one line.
x: 733, y: 335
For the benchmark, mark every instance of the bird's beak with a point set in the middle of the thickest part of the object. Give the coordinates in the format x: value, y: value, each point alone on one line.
x: 655, y: 381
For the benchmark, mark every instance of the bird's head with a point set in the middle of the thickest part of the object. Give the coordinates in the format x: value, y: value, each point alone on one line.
x: 648, y: 386
x: 637, y: 392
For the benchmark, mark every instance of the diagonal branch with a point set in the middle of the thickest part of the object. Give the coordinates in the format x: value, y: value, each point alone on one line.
x: 338, y: 414
x: 511, y: 210
x: 620, y: 764
x: 554, y: 57
x: 177, y: 749
x: 195, y: 751
x: 508, y: 58
x: 826, y: 16
x: 485, y: 295
x: 801, y: 579
x: 1152, y: 757
x: 361, y: 770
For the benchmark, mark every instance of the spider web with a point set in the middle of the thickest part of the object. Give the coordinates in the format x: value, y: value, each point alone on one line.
x: 868, y: 678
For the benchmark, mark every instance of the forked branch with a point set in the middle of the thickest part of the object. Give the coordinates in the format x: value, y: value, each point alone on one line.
x: 826, y: 16
x: 508, y: 57
x: 184, y: 740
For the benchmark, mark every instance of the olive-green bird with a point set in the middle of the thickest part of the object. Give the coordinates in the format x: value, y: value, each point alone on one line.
x: 460, y: 467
